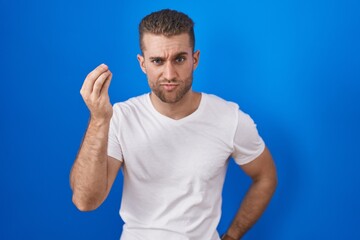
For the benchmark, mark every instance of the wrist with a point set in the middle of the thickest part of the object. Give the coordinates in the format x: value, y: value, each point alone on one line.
x: 98, y: 128
x: 227, y: 237
x: 99, y: 122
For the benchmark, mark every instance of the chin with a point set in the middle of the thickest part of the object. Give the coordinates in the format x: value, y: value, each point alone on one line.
x: 172, y: 97
x: 167, y: 99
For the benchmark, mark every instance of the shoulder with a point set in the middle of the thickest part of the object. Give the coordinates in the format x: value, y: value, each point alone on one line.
x: 219, y: 104
x: 224, y: 114
x: 227, y: 108
x: 131, y: 105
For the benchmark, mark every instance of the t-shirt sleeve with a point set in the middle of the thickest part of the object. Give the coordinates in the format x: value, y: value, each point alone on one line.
x: 248, y: 144
x: 114, y: 147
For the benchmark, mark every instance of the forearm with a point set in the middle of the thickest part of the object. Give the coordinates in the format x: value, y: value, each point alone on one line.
x: 252, y: 207
x: 88, y: 176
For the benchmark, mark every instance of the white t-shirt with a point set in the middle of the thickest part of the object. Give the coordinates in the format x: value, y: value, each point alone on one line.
x: 174, y: 170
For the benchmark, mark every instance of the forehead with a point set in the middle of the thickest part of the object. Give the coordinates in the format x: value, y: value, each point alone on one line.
x: 161, y: 45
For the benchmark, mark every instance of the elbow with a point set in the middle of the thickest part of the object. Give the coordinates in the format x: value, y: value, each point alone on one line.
x: 84, y: 205
x: 268, y: 184
x: 274, y: 184
x: 275, y: 180
x: 271, y: 182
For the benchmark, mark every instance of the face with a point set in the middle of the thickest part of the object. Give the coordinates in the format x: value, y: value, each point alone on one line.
x: 169, y: 63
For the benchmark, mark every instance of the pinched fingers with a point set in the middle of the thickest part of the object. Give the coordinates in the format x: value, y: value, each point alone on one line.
x: 90, y: 79
x: 95, y: 92
x: 100, y: 83
x: 105, y: 88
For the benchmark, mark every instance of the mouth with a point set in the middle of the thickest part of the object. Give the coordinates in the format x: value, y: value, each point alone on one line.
x: 169, y: 86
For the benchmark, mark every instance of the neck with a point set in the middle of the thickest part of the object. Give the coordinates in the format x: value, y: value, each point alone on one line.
x: 184, y: 107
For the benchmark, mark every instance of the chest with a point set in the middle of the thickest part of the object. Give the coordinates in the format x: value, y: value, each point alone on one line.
x: 156, y: 151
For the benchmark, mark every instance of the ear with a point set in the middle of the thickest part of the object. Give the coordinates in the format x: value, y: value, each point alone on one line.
x: 196, y: 57
x: 141, y: 60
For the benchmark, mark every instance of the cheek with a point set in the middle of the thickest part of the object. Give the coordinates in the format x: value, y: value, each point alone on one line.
x: 187, y: 71
x: 153, y: 74
x: 152, y: 78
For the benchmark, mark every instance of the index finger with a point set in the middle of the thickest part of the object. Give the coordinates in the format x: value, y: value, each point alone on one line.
x: 92, y: 76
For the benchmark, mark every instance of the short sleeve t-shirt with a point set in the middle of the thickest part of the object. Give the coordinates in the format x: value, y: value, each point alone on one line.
x: 174, y: 170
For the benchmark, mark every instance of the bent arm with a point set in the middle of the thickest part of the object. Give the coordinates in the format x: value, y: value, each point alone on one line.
x: 93, y: 172
x: 263, y: 174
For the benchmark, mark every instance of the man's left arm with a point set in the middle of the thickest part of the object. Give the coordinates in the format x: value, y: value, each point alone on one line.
x: 264, y: 180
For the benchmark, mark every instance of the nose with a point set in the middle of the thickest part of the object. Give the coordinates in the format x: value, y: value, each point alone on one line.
x: 169, y: 72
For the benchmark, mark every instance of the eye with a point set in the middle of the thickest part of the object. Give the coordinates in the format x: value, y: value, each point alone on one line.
x: 180, y: 59
x: 157, y: 61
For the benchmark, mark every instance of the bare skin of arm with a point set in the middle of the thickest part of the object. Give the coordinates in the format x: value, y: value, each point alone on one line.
x: 263, y: 174
x: 93, y: 172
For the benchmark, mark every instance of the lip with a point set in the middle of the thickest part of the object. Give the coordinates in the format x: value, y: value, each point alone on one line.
x: 169, y: 87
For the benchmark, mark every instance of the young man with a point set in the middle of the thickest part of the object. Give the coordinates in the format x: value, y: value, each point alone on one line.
x: 173, y: 143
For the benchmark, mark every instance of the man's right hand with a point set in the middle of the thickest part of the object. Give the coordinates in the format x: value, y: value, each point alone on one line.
x: 94, y: 91
x: 94, y: 172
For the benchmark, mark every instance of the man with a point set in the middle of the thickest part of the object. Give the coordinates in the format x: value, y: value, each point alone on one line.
x: 173, y: 144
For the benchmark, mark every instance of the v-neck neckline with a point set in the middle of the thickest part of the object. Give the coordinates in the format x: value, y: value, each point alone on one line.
x: 181, y: 120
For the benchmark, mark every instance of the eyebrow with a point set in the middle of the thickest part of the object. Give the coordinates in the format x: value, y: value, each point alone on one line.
x: 176, y: 55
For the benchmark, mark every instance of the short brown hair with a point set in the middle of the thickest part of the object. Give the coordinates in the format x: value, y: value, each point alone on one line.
x: 167, y: 22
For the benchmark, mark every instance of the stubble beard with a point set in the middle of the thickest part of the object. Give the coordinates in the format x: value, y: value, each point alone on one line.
x: 170, y: 97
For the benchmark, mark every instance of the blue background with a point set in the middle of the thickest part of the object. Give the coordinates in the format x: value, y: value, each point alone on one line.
x: 294, y: 66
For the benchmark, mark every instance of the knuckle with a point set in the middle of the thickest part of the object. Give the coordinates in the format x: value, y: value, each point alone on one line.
x: 88, y: 76
x: 98, y: 83
x: 82, y: 91
x: 86, y: 97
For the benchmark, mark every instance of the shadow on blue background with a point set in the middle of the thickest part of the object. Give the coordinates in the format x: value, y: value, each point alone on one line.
x: 293, y: 66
